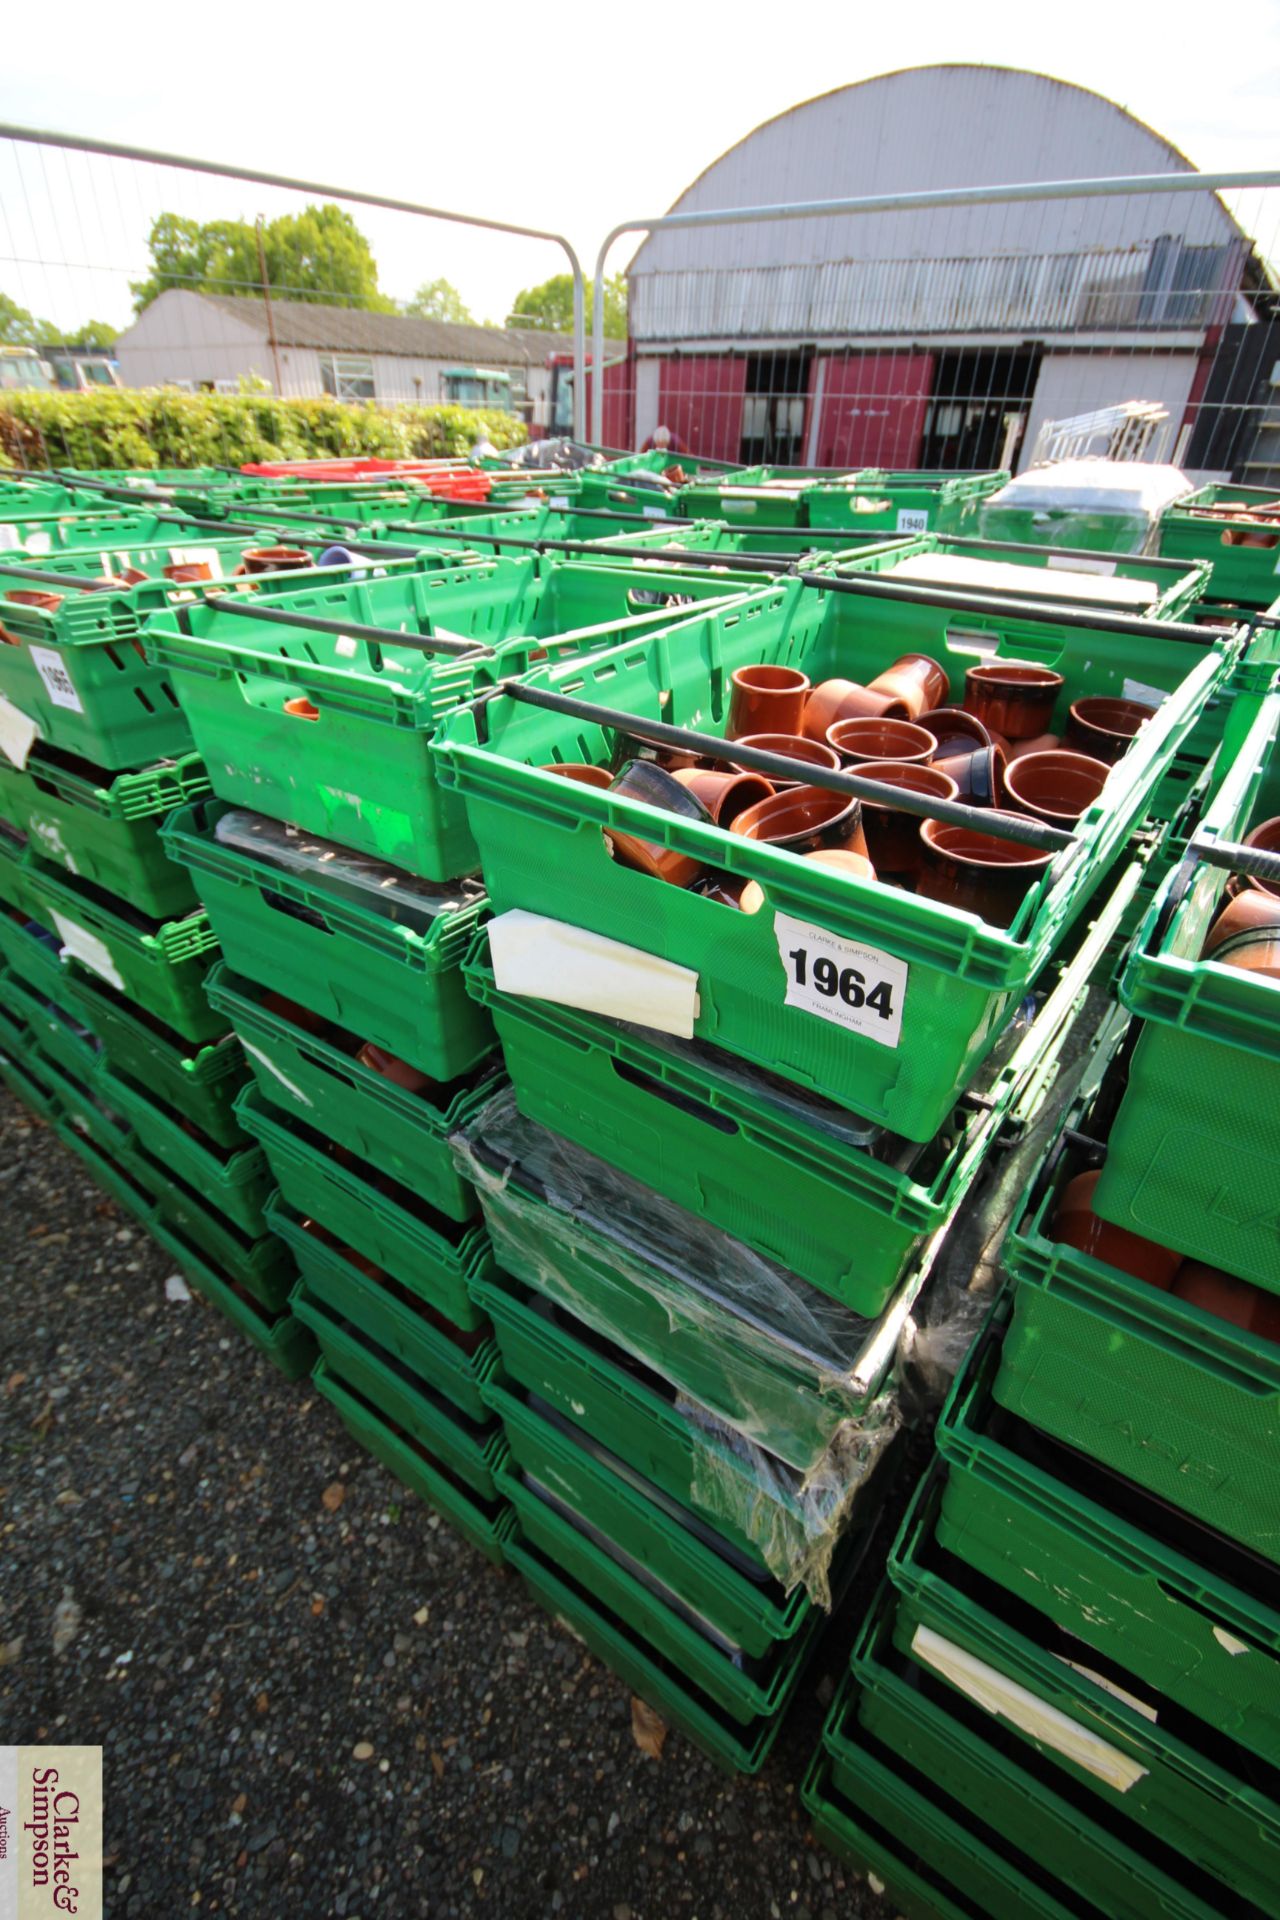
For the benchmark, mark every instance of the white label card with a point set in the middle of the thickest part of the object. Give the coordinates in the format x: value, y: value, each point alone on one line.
x: 88, y: 950
x: 655, y: 513
x: 8, y: 536
x: 913, y: 519
x: 52, y: 668
x: 39, y: 543
x: 856, y: 986
x: 558, y: 500
x: 18, y: 734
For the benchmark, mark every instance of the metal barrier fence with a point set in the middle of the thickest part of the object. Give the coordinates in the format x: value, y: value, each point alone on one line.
x: 950, y: 330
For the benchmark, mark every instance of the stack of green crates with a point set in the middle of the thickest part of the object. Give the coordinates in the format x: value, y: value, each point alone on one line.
x: 1067, y: 1699
x: 1244, y: 552
x: 105, y: 945
x: 877, y: 499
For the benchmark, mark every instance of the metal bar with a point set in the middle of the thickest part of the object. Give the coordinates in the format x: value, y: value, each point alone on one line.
x: 1002, y: 826
x: 878, y: 587
x: 903, y: 203
x: 678, y: 556
x: 345, y: 629
x: 118, y: 150
x: 1067, y: 553
x: 83, y: 583
x: 1257, y: 862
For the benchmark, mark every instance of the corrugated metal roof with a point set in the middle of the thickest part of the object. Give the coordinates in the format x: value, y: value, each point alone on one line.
x: 303, y: 323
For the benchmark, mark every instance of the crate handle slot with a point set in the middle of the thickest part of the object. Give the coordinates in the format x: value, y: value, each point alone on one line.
x: 674, y: 1096
x: 303, y: 708
x: 349, y: 629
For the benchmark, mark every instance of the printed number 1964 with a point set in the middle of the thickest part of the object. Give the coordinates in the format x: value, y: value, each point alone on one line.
x: 848, y: 982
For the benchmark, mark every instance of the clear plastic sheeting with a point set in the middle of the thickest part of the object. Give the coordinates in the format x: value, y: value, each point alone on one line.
x: 384, y: 889
x: 795, y: 1521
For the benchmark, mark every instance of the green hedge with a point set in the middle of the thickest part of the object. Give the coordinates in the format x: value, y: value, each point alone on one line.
x: 163, y: 427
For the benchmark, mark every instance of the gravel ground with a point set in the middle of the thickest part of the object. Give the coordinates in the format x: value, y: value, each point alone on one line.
x: 349, y: 1705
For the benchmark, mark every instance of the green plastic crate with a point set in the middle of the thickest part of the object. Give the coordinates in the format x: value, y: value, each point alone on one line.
x: 439, y: 1260
x: 1175, y: 1399
x: 1193, y: 1150
x: 52, y: 1027
x: 259, y: 1265
x: 1047, y: 573
x: 1244, y: 576
x: 787, y: 1387
x: 15, y: 1038
x: 235, y: 1179
x: 875, y: 499
x: 15, y: 880
x: 285, y: 1341
x: 21, y: 1075
x: 486, y: 1524
x: 1014, y: 1795
x: 376, y: 977
x: 953, y: 980
x: 83, y: 1105
x: 725, y: 1149
x: 318, y: 1079
x: 105, y: 827
x: 114, y: 1176
x: 159, y: 964
x: 633, y: 1414
x: 734, y: 1748
x: 774, y: 496
x: 199, y: 1078
x: 453, y: 1362
x: 916, y: 1890
x: 746, y: 1689
x: 32, y: 952
x: 745, y: 1608
x: 363, y: 770
x: 473, y: 1450
x: 80, y: 671
x: 1170, y: 1777
x: 1108, y: 1564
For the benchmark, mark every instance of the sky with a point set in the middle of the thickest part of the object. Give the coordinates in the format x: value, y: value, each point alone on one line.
x: 573, y: 117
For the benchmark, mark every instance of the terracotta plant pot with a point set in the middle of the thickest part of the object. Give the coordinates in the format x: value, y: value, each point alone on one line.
x: 1056, y: 786
x: 977, y: 872
x: 112, y: 583
x: 1038, y: 743
x: 978, y: 776
x: 397, y: 1071
x: 915, y: 678
x: 955, y: 730
x: 724, y: 795
x: 833, y: 700
x: 1255, y: 951
x: 856, y: 740
x: 1104, y: 728
x: 814, y: 753
x: 1226, y: 1298
x: 1249, y: 911
x: 804, y: 819
x: 643, y: 780
x: 274, y: 559
x: 1075, y: 1224
x: 581, y: 771
x: 301, y: 708
x: 766, y: 700
x: 893, y: 837
x: 1015, y: 697
x: 188, y: 572
x: 1266, y: 837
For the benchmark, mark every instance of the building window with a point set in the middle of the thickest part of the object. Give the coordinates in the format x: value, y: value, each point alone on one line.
x: 347, y: 376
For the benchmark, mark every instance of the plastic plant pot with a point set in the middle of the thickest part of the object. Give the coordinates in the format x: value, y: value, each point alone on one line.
x: 979, y: 776
x: 1103, y: 728
x: 955, y: 730
x: 1226, y: 1298
x: 581, y: 771
x: 644, y: 780
x: 1055, y: 786
x: 1248, y: 911
x: 854, y: 866
x: 804, y: 819
x: 1266, y: 837
x: 1255, y: 951
x: 1039, y: 743
x: 767, y: 700
x: 833, y: 700
x: 976, y: 872
x: 724, y: 794
x: 901, y: 740
x: 893, y: 837
x: 1075, y: 1224
x: 1012, y: 697
x: 274, y: 559
x: 916, y: 679
x: 814, y: 753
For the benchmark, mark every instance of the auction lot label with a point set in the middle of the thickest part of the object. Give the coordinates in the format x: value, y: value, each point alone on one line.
x: 50, y: 1832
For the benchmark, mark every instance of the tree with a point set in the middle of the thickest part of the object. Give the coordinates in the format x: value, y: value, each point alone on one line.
x: 318, y: 255
x: 551, y: 305
x: 439, y: 300
x: 94, y: 333
x: 19, y: 328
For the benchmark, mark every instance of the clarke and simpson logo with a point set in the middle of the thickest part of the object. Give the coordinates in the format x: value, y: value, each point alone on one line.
x: 50, y: 1832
